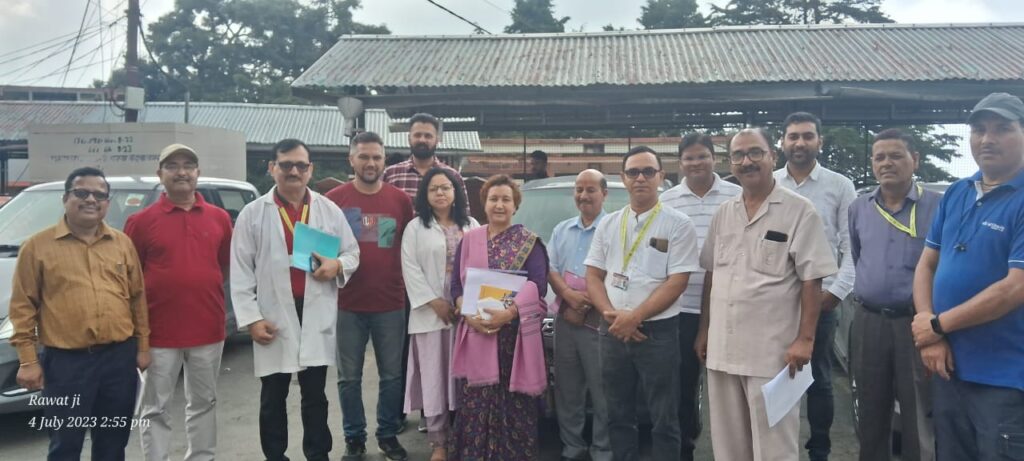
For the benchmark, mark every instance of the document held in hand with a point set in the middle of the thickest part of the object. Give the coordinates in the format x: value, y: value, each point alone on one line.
x: 309, y: 240
x: 488, y: 288
x: 783, y: 392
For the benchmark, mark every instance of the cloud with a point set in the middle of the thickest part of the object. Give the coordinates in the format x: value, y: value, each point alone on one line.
x: 942, y: 11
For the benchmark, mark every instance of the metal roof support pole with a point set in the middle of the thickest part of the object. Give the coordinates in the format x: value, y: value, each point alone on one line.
x: 524, y: 155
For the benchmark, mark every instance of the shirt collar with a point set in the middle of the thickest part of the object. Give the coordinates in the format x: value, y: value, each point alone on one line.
x: 913, y: 195
x: 815, y: 173
x: 579, y: 221
x: 167, y: 206
x: 715, y: 186
x: 281, y: 202
x: 63, y: 230
x: 1017, y: 182
x: 411, y: 167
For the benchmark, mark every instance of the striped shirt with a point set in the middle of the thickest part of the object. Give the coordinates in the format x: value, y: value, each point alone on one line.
x: 700, y: 210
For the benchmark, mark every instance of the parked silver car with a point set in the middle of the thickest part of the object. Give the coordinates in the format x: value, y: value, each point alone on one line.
x: 40, y: 206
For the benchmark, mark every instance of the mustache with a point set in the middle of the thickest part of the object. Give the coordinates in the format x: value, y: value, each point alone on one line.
x: 750, y: 169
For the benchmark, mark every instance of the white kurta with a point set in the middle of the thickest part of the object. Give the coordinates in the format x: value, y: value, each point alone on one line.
x: 261, y: 285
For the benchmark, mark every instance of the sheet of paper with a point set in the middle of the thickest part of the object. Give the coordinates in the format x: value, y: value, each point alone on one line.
x: 309, y: 240
x: 488, y: 288
x: 783, y: 392
x: 138, y: 395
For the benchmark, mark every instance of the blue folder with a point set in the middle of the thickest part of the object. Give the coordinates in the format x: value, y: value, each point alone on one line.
x: 309, y: 240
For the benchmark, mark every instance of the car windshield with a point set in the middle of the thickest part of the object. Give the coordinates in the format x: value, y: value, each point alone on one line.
x: 542, y: 209
x: 33, y: 211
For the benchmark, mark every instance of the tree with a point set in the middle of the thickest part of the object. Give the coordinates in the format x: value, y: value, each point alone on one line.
x: 244, y: 50
x: 778, y: 12
x: 535, y: 16
x: 847, y: 149
x: 671, y: 14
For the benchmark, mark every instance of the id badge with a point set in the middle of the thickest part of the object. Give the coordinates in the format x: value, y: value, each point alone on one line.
x: 620, y: 281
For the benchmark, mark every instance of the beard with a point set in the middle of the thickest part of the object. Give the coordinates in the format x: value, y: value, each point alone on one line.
x: 422, y: 151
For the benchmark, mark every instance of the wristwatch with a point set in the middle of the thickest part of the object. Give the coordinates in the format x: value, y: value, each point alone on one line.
x: 937, y: 327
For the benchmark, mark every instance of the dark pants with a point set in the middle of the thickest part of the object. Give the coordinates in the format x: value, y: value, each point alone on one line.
x: 977, y: 422
x: 646, y: 365
x: 97, y: 388
x: 820, y: 406
x: 690, y: 371
x: 316, y: 435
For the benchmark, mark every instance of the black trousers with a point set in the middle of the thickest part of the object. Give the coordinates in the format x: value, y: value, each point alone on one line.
x: 316, y: 434
x: 92, y: 390
x: 690, y: 371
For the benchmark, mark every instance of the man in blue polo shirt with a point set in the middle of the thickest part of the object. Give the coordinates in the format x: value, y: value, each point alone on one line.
x: 968, y: 293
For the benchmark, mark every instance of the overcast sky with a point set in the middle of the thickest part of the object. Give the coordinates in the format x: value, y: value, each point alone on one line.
x: 25, y: 23
x: 29, y: 22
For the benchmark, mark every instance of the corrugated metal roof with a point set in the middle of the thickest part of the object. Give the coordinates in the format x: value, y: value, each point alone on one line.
x: 766, y: 54
x: 261, y: 123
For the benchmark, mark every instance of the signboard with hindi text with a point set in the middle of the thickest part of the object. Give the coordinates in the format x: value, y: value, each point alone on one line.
x: 130, y: 149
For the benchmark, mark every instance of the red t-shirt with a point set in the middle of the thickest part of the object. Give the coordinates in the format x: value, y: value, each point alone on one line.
x: 378, y: 222
x: 298, y: 276
x: 184, y: 255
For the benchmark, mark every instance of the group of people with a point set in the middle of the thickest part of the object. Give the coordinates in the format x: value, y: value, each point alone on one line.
x: 741, y: 280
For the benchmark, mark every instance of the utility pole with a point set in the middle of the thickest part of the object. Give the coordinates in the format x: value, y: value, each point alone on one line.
x: 131, y: 60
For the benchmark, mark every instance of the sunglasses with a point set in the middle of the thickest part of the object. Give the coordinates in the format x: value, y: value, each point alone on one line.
x: 83, y: 194
x: 648, y: 172
x: 287, y: 166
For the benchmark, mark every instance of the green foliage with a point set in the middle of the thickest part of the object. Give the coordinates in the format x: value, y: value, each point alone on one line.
x: 779, y: 12
x: 671, y: 14
x: 847, y: 150
x: 243, y: 50
x: 535, y: 16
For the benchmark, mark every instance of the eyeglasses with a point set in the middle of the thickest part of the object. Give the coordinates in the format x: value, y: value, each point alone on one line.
x: 287, y: 166
x: 648, y: 172
x: 83, y: 194
x: 445, y: 188
x: 755, y: 155
x: 174, y: 167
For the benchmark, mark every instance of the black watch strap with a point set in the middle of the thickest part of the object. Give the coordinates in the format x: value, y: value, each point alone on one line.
x: 937, y: 327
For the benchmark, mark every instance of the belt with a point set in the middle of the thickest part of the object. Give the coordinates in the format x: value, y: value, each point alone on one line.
x: 94, y: 349
x: 893, y: 312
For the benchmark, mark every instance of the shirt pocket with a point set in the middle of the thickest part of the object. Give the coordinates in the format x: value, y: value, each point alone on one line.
x: 770, y: 257
x: 114, y: 272
x: 655, y: 263
x: 1011, y: 441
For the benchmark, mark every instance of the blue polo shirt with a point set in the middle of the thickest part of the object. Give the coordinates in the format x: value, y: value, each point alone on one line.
x: 979, y: 240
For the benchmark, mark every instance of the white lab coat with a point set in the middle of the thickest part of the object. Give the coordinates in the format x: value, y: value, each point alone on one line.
x: 261, y: 285
x: 424, y: 255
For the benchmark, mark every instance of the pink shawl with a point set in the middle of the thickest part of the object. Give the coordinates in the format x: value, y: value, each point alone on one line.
x: 475, y: 355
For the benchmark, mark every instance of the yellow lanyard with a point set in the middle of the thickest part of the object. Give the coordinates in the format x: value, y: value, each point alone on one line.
x: 288, y: 220
x: 912, y: 229
x: 639, y: 237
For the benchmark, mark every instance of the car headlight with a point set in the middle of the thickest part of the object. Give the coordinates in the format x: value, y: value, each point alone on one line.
x: 6, y: 329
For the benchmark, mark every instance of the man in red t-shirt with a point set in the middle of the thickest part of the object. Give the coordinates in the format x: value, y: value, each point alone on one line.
x: 372, y: 304
x: 183, y: 244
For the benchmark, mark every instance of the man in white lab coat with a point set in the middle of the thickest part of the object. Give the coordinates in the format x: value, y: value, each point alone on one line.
x: 290, y: 314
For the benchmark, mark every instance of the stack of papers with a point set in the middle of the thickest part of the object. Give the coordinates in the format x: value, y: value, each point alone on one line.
x: 488, y: 289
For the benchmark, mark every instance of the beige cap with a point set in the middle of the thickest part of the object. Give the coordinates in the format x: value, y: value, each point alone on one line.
x: 177, y: 149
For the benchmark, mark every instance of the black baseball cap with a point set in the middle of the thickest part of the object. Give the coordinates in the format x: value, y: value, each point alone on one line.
x: 1004, y: 105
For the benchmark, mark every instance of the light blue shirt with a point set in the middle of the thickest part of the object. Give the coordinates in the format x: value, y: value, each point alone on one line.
x: 569, y: 244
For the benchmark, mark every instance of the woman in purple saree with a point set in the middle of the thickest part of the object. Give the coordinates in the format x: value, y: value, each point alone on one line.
x: 500, y: 360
